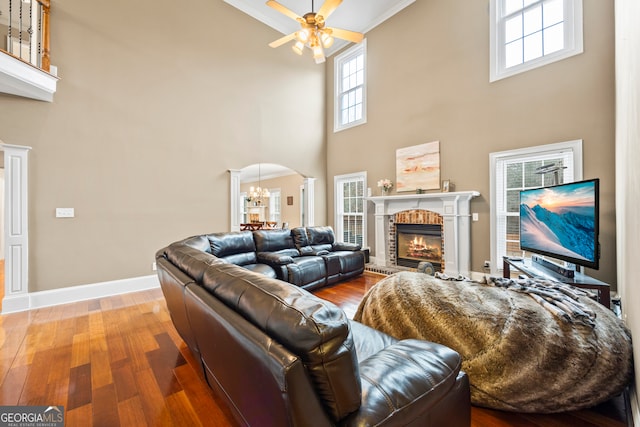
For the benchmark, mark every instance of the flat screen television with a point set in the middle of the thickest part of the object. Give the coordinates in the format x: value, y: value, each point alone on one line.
x: 562, y: 222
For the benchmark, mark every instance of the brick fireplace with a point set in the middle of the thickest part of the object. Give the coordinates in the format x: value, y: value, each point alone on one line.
x: 451, y: 211
x: 414, y: 236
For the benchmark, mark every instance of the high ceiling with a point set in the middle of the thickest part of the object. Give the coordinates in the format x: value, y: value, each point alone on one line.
x: 355, y: 15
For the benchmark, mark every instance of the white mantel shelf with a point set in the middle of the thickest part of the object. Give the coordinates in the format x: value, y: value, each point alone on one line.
x: 455, y: 210
x: 425, y: 197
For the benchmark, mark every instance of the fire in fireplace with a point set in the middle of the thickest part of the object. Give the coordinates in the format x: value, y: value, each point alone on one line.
x: 418, y: 242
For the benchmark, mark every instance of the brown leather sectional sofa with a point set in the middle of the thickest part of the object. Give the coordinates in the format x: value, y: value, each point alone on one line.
x: 281, y: 356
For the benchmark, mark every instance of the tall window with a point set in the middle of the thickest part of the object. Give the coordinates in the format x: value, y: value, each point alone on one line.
x: 351, y: 90
x: 515, y: 170
x: 274, y: 205
x: 350, y: 208
x: 527, y: 34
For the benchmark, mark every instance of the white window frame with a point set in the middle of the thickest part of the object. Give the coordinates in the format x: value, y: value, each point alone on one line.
x: 338, y: 180
x: 573, y: 39
x: 275, y: 204
x: 498, y: 191
x: 340, y: 60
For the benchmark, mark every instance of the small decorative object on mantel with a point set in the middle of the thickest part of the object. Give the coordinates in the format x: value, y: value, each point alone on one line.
x: 385, y: 185
x: 419, y: 191
x: 446, y: 186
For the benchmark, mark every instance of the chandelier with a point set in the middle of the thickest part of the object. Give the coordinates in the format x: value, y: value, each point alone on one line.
x: 258, y: 194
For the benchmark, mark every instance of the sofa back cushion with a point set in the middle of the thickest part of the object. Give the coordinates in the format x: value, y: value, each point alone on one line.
x: 277, y: 241
x: 197, y: 242
x: 234, y: 247
x: 314, y: 329
x: 313, y: 240
x: 190, y: 258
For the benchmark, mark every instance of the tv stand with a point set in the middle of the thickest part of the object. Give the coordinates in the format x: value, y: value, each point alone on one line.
x: 578, y: 280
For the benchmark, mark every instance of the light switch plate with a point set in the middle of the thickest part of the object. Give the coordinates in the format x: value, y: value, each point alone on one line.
x: 65, y: 213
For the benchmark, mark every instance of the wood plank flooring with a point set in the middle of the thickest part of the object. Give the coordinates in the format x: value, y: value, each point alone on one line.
x: 118, y: 361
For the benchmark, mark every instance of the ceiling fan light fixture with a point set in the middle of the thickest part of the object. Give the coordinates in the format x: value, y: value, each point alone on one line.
x: 313, y: 33
x: 298, y: 47
x: 326, y: 38
x: 302, y: 35
x: 318, y: 53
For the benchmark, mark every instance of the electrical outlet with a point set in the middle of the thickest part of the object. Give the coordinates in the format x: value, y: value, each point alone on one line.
x: 487, y: 264
x: 65, y: 213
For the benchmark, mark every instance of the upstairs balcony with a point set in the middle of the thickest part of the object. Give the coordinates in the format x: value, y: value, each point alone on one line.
x: 25, y: 62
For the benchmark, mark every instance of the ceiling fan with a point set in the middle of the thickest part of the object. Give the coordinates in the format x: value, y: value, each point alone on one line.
x: 313, y: 33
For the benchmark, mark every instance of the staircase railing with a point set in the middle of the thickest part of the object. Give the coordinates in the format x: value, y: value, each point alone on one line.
x: 24, y: 26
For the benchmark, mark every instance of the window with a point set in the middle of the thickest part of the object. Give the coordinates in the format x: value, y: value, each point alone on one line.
x: 274, y: 205
x: 512, y: 171
x: 350, y: 208
x: 526, y: 34
x: 244, y: 214
x: 351, y: 90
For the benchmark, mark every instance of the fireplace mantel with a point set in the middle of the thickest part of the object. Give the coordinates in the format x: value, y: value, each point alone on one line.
x: 455, y: 210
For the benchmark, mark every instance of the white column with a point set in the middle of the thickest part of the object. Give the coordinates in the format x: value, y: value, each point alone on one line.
x: 234, y: 199
x: 381, y: 235
x: 16, y: 229
x: 309, y: 201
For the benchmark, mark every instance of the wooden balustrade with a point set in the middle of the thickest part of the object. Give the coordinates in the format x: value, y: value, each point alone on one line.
x: 35, y: 27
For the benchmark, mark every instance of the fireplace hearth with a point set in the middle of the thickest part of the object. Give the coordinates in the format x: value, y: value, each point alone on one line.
x: 419, y: 242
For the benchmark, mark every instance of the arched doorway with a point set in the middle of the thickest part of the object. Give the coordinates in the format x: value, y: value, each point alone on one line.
x: 279, y: 178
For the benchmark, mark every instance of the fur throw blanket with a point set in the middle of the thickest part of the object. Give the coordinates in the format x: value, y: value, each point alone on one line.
x: 526, y: 347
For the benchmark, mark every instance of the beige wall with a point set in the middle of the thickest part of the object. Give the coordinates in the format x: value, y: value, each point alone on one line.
x: 628, y: 179
x: 289, y: 187
x: 155, y: 103
x: 428, y: 76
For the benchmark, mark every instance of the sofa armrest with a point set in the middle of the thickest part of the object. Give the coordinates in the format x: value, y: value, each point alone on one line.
x: 403, y: 383
x: 273, y: 258
x: 346, y: 246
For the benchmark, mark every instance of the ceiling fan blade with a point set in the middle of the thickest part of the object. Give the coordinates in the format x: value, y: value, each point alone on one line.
x: 351, y: 36
x: 282, y: 40
x: 328, y: 7
x: 282, y: 9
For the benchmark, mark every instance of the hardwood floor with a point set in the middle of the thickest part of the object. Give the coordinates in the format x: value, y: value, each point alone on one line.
x: 118, y: 361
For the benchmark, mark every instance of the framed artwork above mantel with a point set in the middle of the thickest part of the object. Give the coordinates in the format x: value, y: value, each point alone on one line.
x: 418, y: 167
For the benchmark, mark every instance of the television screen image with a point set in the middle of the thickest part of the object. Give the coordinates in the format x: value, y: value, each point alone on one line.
x: 562, y: 222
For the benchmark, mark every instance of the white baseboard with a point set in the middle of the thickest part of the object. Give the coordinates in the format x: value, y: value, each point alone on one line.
x: 72, y: 294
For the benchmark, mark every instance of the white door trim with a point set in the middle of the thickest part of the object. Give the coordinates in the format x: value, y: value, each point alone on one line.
x: 16, y: 228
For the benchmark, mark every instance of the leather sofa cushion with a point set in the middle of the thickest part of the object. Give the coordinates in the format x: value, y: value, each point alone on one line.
x: 198, y: 242
x: 262, y: 269
x: 320, y: 236
x: 313, y: 240
x: 191, y: 260
x: 314, y: 329
x: 307, y: 271
x: 350, y: 261
x: 273, y: 240
x: 235, y: 247
x: 428, y: 375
